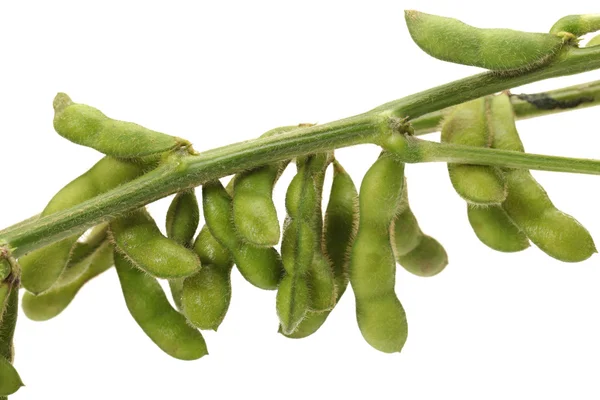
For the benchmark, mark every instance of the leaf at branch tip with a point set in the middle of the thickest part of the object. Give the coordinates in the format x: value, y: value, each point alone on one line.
x: 10, y: 381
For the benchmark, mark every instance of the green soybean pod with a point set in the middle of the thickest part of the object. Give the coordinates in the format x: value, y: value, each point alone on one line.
x: 380, y: 315
x: 416, y: 252
x: 595, y: 41
x: 297, y: 249
x: 137, y: 237
x: 10, y: 381
x: 206, y: 295
x: 254, y: 212
x: 89, y: 127
x: 183, y: 218
x: 451, y: 40
x: 54, y: 301
x: 41, y: 268
x: 557, y: 234
x: 495, y: 229
x: 261, y: 266
x: 341, y: 223
x: 577, y: 25
x: 321, y: 278
x: 467, y: 124
x: 152, y: 311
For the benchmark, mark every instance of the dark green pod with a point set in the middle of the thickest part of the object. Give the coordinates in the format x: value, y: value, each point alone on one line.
x: 451, y: 40
x: 137, y: 237
x: 152, y: 311
x: 183, y: 218
x: 41, y: 268
x: 379, y: 313
x: 494, y: 228
x: 52, y: 302
x: 89, y: 127
x: 577, y: 25
x: 261, y: 266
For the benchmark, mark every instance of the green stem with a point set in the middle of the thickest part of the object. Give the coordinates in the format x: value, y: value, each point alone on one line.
x: 529, y: 105
x: 414, y: 150
x: 182, y: 172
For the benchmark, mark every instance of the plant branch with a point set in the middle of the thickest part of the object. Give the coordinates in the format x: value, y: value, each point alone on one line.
x: 529, y: 105
x: 181, y: 172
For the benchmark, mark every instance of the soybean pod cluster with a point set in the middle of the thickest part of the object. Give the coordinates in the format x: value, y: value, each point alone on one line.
x: 311, y: 257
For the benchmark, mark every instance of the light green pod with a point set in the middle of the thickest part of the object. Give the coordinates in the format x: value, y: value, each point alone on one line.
x: 595, y: 41
x: 380, y: 315
x: 10, y: 381
x: 557, y: 234
x: 341, y: 222
x: 150, y: 308
x: 528, y: 205
x: 577, y: 25
x: 89, y: 127
x: 206, y: 296
x: 261, y: 266
x: 183, y: 217
x: 254, y: 212
x: 41, y: 268
x: 451, y: 40
x: 416, y: 252
x: 427, y: 259
x: 494, y: 228
x: 52, y: 302
x: 468, y: 124
x: 137, y: 237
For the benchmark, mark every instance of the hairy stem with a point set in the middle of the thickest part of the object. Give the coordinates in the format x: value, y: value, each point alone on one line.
x: 181, y: 172
x: 529, y: 105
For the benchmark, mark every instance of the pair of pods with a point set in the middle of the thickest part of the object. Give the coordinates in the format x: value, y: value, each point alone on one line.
x: 507, y: 207
x: 500, y: 50
x: 10, y: 381
x: 203, y: 297
x: 308, y: 283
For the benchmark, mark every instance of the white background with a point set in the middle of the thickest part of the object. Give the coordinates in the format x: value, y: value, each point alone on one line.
x: 491, y: 326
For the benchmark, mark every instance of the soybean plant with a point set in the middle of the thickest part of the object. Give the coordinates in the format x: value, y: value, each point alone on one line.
x: 100, y: 220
